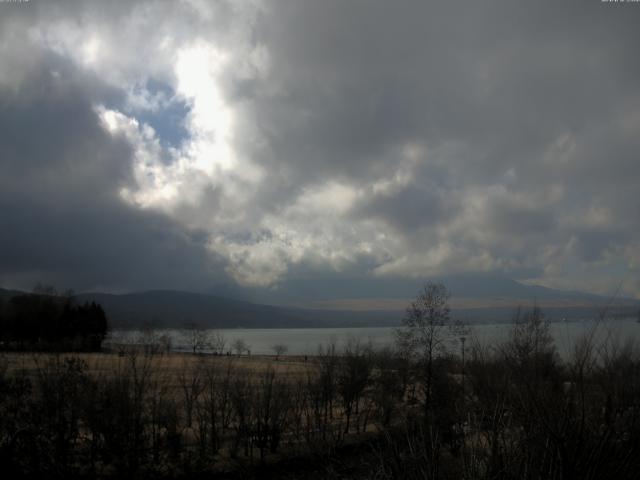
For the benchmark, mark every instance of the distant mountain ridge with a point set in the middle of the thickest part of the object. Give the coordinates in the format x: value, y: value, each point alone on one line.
x: 304, y: 291
x: 169, y: 308
x: 174, y: 309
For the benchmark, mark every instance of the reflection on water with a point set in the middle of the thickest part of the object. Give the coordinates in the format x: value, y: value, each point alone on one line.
x: 305, y: 341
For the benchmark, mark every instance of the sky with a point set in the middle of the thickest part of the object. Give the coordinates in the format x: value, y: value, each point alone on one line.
x: 344, y: 149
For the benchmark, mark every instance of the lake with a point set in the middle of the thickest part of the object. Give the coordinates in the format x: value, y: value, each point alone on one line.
x: 305, y: 341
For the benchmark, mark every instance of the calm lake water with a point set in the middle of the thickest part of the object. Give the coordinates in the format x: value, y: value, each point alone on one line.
x: 305, y: 341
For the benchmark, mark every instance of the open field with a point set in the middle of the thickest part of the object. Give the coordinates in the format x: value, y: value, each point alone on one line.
x: 170, y: 364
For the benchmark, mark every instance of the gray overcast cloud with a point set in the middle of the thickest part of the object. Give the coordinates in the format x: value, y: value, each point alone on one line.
x: 190, y: 144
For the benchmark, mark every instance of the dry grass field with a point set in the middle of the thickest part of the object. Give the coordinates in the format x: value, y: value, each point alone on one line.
x: 101, y: 362
x: 172, y: 368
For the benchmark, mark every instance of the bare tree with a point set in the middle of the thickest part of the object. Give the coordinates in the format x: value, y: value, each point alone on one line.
x: 279, y: 349
x: 148, y: 339
x: 387, y: 384
x: 196, y: 337
x: 422, y: 333
x: 191, y: 382
x: 354, y: 372
x: 164, y: 342
x: 270, y: 404
x: 216, y: 409
x: 240, y: 346
x: 218, y: 342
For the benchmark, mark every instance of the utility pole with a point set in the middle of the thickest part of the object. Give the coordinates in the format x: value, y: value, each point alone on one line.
x: 462, y: 340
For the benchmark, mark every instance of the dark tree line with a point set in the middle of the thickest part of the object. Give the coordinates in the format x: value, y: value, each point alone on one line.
x: 44, y: 320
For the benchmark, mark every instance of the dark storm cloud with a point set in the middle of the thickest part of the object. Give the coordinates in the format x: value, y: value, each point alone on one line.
x: 504, y: 77
x: 62, y: 219
x: 534, y: 96
x: 48, y: 125
x: 413, y: 207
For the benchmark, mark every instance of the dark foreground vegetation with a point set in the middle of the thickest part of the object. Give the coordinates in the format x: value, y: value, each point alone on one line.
x: 514, y: 411
x: 46, y: 320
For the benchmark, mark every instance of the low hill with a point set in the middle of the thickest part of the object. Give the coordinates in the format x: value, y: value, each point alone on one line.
x: 168, y: 308
x: 174, y: 309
